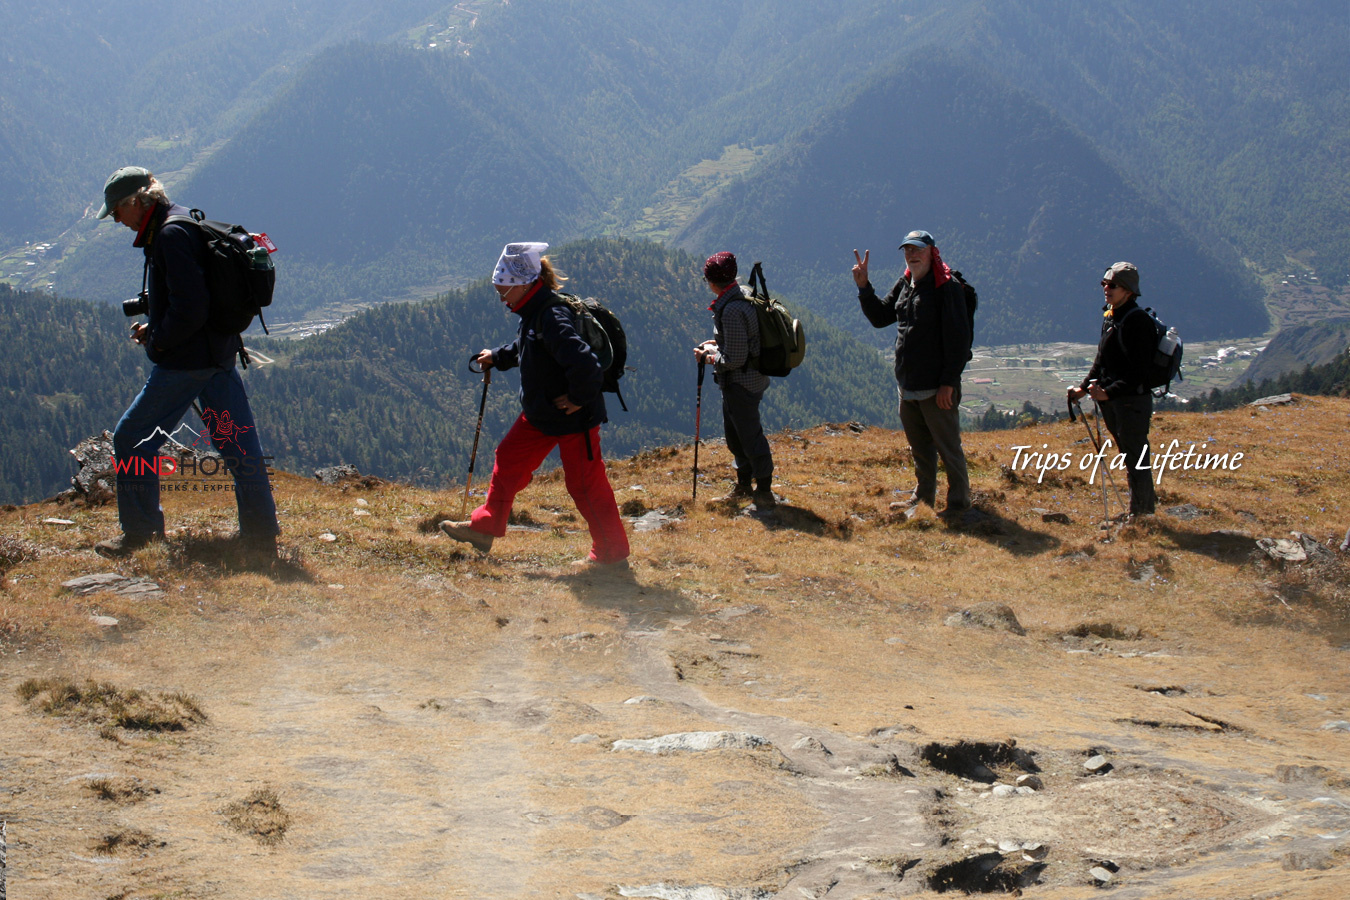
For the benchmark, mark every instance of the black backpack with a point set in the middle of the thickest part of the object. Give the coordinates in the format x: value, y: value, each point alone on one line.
x: 782, y: 340
x: 599, y: 327
x: 239, y: 273
x: 972, y: 302
x: 1165, y: 365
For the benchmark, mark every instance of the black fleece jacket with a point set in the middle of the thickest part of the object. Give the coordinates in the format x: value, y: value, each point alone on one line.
x: 932, y: 335
x: 179, y: 302
x: 1121, y: 366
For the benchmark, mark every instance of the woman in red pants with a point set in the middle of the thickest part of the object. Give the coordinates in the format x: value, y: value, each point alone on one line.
x: 562, y: 406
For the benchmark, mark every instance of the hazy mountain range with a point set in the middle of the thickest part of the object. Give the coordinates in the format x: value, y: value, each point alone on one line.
x: 391, y: 153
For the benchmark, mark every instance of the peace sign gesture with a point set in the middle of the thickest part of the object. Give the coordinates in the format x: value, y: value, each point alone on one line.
x: 860, y: 270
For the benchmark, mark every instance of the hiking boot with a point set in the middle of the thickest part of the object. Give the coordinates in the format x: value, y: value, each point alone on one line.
x: 462, y: 531
x: 258, y: 548
x: 124, y: 545
x: 764, y: 499
x: 618, y: 569
x: 909, y: 503
x: 738, y: 493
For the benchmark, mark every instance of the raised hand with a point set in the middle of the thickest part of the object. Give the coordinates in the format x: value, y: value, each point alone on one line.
x: 860, y: 270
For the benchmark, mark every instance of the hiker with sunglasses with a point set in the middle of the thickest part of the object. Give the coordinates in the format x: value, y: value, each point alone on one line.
x: 191, y: 362
x: 560, y: 392
x: 932, y: 346
x: 1118, y: 379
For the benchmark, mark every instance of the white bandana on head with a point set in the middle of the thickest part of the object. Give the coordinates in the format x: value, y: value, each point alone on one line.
x: 519, y: 264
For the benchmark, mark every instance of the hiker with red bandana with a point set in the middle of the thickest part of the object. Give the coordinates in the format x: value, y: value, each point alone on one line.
x: 932, y: 346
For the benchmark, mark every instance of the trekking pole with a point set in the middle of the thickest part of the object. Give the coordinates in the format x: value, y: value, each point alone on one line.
x: 1096, y: 440
x: 473, y: 457
x: 698, y: 421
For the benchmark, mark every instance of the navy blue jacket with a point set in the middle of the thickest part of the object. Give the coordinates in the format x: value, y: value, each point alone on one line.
x: 554, y: 360
x: 179, y: 302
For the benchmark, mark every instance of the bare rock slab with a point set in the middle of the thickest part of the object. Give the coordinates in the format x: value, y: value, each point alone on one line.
x: 694, y: 742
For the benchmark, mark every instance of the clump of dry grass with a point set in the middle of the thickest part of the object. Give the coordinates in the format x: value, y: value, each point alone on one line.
x: 123, y: 791
x: 226, y: 554
x: 260, y: 815
x: 107, y: 705
x: 13, y: 551
x: 125, y: 840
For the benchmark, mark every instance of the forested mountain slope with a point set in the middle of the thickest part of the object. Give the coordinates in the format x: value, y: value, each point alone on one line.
x: 89, y: 86
x: 68, y: 371
x: 389, y: 164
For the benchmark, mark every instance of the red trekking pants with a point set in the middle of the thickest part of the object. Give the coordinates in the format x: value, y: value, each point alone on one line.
x: 521, y: 452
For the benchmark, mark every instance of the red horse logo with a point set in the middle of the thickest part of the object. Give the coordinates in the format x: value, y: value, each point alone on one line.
x: 224, y: 430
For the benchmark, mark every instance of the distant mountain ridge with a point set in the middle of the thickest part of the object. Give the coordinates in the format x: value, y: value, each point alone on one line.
x: 394, y: 147
x: 1298, y: 347
x: 1016, y: 199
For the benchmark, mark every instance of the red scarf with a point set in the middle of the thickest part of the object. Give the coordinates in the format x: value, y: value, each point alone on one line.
x: 942, y: 273
x: 525, y: 298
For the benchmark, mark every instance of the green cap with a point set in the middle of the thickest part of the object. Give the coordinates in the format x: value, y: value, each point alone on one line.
x: 121, y: 185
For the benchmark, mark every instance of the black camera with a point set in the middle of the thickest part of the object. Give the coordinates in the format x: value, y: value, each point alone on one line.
x: 136, y: 306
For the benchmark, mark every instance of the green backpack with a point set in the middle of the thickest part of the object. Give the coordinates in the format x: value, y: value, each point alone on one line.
x: 782, y: 340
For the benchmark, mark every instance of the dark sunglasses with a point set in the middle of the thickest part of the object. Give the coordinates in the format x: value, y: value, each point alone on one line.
x: 1110, y: 284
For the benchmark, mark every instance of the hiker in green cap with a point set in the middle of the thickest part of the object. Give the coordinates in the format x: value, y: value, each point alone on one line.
x: 192, y: 362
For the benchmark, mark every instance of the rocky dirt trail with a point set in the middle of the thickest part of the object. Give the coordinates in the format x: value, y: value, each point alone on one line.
x: 411, y: 767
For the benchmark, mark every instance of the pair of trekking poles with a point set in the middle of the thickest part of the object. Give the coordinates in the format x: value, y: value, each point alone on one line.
x: 1096, y: 439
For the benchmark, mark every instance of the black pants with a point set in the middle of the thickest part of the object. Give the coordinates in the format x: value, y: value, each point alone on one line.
x: 1128, y: 419
x: 745, y: 434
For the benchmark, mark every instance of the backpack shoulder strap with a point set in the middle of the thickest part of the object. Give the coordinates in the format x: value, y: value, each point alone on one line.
x: 758, y: 289
x: 194, y: 217
x: 1119, y: 328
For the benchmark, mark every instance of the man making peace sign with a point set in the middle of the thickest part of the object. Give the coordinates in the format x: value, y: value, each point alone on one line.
x: 932, y: 345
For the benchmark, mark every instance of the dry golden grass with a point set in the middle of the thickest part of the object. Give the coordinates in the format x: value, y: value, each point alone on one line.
x: 106, y: 704
x: 390, y: 643
x: 260, y: 816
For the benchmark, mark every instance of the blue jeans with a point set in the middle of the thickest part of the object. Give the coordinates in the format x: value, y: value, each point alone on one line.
x: 155, y: 412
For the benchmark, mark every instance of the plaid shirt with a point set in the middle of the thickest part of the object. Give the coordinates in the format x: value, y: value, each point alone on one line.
x: 736, y: 330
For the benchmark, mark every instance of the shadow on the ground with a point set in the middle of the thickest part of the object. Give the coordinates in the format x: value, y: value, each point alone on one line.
x: 621, y: 592
x: 1002, y: 532
x: 228, y: 555
x: 784, y: 517
x: 1230, y: 547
